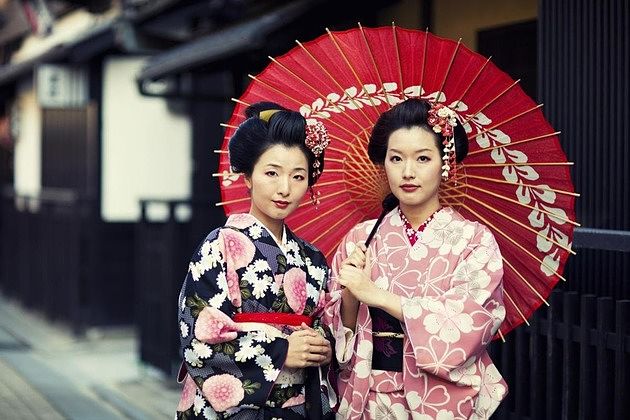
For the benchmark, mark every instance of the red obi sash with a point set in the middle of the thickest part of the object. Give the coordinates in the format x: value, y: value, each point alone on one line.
x: 274, y: 318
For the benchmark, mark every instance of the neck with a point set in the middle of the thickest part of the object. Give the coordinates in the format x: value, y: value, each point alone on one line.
x: 418, y: 214
x: 273, y: 225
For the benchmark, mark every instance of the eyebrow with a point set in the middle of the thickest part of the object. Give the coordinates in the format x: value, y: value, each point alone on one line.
x: 275, y: 165
x: 417, y: 151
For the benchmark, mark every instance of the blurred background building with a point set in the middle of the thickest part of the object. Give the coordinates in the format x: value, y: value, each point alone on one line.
x: 110, y: 112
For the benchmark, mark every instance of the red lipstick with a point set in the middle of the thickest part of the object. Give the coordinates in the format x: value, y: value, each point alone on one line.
x: 281, y: 204
x: 409, y: 187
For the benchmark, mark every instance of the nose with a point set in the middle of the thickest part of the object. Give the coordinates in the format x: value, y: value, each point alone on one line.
x: 284, y: 186
x: 408, y: 170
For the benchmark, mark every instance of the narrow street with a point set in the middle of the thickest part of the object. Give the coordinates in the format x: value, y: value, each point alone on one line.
x: 47, y: 373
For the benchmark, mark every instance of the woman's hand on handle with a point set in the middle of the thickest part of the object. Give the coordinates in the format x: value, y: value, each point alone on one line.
x: 359, y: 281
x: 357, y: 258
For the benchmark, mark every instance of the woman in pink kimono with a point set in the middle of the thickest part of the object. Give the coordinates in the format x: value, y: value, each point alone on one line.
x: 413, y: 313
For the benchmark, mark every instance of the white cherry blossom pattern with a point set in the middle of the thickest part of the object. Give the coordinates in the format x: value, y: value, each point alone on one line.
x: 382, y: 407
x: 430, y: 399
x: 228, y: 178
x: 467, y: 374
x: 412, y: 308
x: 472, y: 281
x: 438, y: 357
x: 447, y: 319
x: 491, y: 389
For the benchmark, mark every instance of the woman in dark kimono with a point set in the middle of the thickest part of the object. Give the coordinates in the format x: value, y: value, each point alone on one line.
x: 249, y: 308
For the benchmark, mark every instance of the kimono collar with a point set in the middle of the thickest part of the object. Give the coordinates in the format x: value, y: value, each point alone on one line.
x: 246, y: 220
x: 414, y: 234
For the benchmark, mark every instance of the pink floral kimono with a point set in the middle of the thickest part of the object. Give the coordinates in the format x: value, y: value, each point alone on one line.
x: 450, y: 282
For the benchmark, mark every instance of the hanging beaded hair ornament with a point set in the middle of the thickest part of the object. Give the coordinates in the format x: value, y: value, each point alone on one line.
x: 317, y: 140
x: 443, y: 120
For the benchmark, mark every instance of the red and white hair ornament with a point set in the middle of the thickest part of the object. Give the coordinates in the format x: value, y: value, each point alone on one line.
x: 443, y: 120
x: 317, y: 140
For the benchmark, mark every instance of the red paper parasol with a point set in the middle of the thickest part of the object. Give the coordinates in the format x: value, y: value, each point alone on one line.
x: 515, y: 179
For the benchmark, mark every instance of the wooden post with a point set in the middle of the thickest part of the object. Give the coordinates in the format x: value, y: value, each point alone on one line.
x: 537, y: 376
x: 553, y: 357
x: 521, y: 374
x: 570, y: 363
x: 622, y: 380
x: 586, y: 409
x: 603, y: 366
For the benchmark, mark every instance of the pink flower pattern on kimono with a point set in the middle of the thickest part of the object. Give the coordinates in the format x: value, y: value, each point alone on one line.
x: 214, y: 326
x: 295, y: 289
x: 223, y: 391
x: 238, y: 248
x: 242, y: 220
x: 188, y: 394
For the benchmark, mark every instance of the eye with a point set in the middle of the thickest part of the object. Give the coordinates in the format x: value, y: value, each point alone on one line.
x: 424, y: 158
x: 299, y: 177
x: 395, y: 159
x: 271, y: 173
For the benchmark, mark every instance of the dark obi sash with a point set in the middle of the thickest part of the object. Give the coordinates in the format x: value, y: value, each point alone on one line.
x: 388, y: 340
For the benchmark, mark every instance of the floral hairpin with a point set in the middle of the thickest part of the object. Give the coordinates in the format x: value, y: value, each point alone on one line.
x: 317, y: 140
x: 443, y: 120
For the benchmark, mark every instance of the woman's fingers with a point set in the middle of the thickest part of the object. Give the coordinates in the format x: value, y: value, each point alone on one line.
x: 316, y: 359
x: 347, y: 272
x: 313, y: 349
x: 353, y: 262
x: 313, y: 359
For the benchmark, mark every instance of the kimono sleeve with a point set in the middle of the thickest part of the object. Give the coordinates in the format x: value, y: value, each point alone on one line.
x: 447, y: 331
x: 327, y: 373
x: 230, y: 367
x: 344, y: 338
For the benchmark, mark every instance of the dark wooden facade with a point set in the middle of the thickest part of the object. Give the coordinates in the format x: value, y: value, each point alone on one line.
x: 584, y: 50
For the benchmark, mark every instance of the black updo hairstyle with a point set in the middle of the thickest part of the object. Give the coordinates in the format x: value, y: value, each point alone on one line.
x: 254, y: 136
x: 410, y: 113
